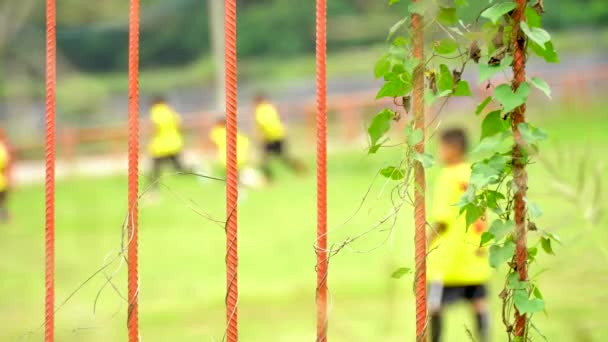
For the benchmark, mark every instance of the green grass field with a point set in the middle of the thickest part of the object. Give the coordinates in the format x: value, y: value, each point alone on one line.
x: 182, y: 256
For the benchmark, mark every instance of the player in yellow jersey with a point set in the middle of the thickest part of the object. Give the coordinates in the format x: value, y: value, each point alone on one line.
x: 4, y: 176
x: 167, y: 141
x: 458, y: 268
x: 273, y: 135
x: 248, y: 176
x: 218, y: 137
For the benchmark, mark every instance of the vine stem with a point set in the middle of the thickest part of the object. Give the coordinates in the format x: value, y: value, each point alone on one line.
x: 519, y: 170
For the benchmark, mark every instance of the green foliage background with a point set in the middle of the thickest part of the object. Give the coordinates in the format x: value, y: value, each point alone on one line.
x: 94, y: 37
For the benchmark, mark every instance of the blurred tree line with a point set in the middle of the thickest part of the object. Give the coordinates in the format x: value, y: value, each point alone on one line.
x: 93, y: 36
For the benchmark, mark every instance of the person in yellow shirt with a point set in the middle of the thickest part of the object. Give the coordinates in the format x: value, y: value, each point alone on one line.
x: 458, y: 269
x: 248, y: 176
x: 4, y: 177
x: 167, y: 141
x: 273, y: 135
x: 218, y: 137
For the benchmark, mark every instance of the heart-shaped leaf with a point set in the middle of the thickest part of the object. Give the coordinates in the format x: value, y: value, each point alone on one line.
x: 525, y: 305
x: 487, y: 71
x: 495, y: 12
x: 380, y: 125
x: 393, y: 173
x: 536, y: 34
x: 425, y: 159
x: 500, y: 254
x: 500, y: 228
x: 493, y: 124
x: 462, y: 89
x: 400, y: 272
x: 542, y: 85
x: 445, y: 46
x: 510, y: 99
x: 446, y: 80
x: 483, y: 105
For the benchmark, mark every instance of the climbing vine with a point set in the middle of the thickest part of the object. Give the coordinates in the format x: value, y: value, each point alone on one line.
x: 496, y: 44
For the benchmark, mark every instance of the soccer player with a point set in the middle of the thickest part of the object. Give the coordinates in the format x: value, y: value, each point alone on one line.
x: 458, y: 268
x: 4, y: 177
x: 248, y: 176
x: 167, y: 141
x: 218, y: 137
x: 273, y: 135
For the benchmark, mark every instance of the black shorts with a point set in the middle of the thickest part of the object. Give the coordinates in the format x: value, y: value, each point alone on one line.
x: 274, y: 147
x: 444, y: 295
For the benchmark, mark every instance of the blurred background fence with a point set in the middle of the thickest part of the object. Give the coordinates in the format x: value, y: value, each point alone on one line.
x: 276, y: 44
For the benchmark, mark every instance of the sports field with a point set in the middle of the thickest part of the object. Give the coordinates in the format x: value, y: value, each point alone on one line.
x: 182, y: 253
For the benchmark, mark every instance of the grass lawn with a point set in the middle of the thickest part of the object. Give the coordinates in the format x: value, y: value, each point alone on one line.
x: 182, y: 256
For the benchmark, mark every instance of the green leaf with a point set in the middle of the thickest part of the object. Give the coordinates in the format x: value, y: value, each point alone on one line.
x: 532, y: 253
x: 509, y: 99
x: 532, y: 135
x: 492, y: 198
x: 380, y: 125
x: 488, y: 171
x: 547, y: 51
x: 374, y: 148
x: 525, y: 305
x: 500, y: 229
x: 467, y: 198
x: 447, y: 16
x: 546, y: 245
x: 499, y: 162
x: 383, y: 66
x: 430, y: 98
x: 425, y: 159
x: 537, y: 293
x: 415, y: 137
x: 553, y: 237
x: 493, y: 143
x: 410, y: 64
x: 462, y: 89
x: 542, y: 85
x: 501, y: 253
x: 462, y: 3
x: 534, y: 209
x: 487, y: 71
x: 400, y: 41
x: 485, y: 238
x: 513, y: 282
x: 473, y: 213
x: 493, y: 124
x: 495, y: 12
x: 532, y: 18
x: 536, y: 34
x: 483, y: 175
x: 397, y: 53
x: 483, y: 105
x: 445, y: 46
x: 396, y: 85
x: 396, y: 27
x: 400, y: 272
x: 393, y: 173
x: 392, y: 2
x: 445, y: 80
x: 420, y: 7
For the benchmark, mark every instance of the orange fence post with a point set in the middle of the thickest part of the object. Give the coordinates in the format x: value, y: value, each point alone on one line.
x: 231, y: 174
x: 321, y: 248
x: 51, y: 85
x: 519, y: 171
x: 132, y: 218
x: 419, y: 176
